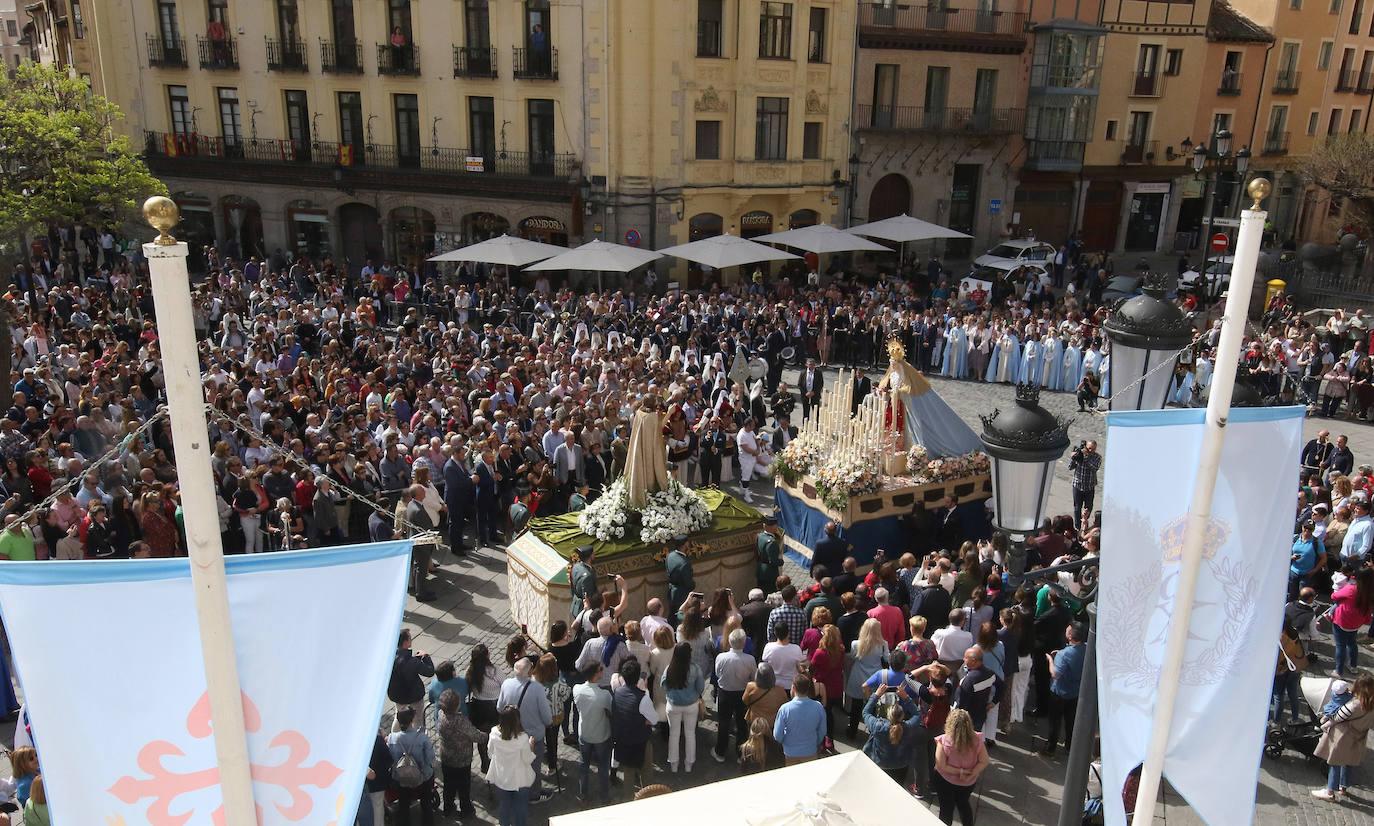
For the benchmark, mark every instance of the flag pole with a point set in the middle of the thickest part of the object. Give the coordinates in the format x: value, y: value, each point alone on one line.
x: 186, y: 410
x: 1204, y: 486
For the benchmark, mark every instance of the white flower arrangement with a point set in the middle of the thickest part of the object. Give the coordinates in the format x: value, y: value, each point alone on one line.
x: 799, y: 458
x: 676, y: 511
x: 844, y: 477
x: 605, y: 518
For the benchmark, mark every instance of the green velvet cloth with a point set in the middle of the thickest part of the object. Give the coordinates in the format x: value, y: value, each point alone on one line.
x: 562, y: 534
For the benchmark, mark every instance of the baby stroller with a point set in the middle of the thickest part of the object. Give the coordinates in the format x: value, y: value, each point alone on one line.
x: 1303, y: 735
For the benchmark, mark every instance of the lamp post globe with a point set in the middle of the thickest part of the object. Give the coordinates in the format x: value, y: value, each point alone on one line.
x: 1223, y: 143
x: 1146, y: 333
x: 1243, y: 160
x: 1023, y: 442
x: 1199, y: 157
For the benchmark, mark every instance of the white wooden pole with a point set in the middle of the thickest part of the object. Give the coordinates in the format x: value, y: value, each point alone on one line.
x: 186, y: 410
x: 1200, y: 510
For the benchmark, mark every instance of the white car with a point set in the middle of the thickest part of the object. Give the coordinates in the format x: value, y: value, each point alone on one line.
x: 1217, y: 268
x: 1041, y: 270
x: 1010, y: 254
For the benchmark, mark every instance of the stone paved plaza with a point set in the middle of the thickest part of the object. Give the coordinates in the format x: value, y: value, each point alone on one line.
x: 1020, y: 787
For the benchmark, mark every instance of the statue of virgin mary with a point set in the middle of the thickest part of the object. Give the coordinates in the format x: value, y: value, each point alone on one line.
x: 646, y: 460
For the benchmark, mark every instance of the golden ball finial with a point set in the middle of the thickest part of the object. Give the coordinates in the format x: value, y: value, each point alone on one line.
x: 162, y: 214
x: 1259, y: 189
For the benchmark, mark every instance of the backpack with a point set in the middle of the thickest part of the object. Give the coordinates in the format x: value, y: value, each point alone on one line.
x: 406, y: 771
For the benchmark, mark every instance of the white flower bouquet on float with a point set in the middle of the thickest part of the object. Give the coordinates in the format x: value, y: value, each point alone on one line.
x: 676, y: 511
x: 800, y: 457
x: 951, y: 467
x: 843, y: 477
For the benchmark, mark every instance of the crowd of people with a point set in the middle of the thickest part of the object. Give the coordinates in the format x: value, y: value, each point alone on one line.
x: 348, y: 406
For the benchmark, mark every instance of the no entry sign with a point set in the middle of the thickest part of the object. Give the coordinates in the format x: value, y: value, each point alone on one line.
x: 1220, y: 242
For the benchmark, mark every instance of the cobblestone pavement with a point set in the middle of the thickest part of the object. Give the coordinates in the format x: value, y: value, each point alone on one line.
x: 1019, y: 788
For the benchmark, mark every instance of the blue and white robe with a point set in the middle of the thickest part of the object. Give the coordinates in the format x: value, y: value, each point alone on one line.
x: 955, y: 362
x: 1031, y: 354
x: 1052, y: 371
x: 1073, y: 367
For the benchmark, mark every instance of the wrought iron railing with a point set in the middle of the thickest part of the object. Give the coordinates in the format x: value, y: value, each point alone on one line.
x: 536, y: 64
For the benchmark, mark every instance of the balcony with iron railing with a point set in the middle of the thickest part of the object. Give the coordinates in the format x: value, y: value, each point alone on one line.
x: 1055, y: 155
x: 1345, y: 80
x: 536, y: 64
x: 931, y: 25
x: 474, y: 61
x: 1275, y: 143
x: 166, y: 53
x: 166, y: 147
x: 1230, y: 84
x: 1286, y: 82
x: 1146, y: 85
x: 1364, y: 83
x: 218, y: 53
x: 342, y: 58
x: 1138, y: 152
x: 286, y: 56
x: 398, y: 60
x: 947, y: 120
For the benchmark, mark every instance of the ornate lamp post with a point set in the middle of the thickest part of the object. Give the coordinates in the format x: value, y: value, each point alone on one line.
x: 1146, y: 334
x: 1024, y: 443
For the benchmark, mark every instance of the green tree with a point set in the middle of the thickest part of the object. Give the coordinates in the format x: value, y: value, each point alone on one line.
x: 62, y: 161
x: 1343, y: 165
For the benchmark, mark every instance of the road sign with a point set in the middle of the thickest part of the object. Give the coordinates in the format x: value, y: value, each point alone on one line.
x: 1220, y: 243
x: 632, y: 237
x: 1233, y: 223
x: 995, y: 205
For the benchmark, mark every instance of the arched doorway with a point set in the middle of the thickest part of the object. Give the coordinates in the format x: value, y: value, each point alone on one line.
x: 545, y: 230
x: 480, y: 226
x: 242, y: 227
x: 360, y: 228
x: 412, y: 237
x: 197, y: 227
x: 705, y: 225
x: 891, y: 196
x: 803, y: 218
x: 756, y: 223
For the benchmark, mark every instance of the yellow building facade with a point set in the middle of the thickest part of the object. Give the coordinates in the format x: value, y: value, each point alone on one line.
x: 710, y: 116
x: 366, y: 129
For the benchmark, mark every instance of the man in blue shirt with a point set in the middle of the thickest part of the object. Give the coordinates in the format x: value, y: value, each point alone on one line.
x: 535, y: 716
x: 800, y: 725
x: 1308, y: 552
x: 1360, y: 535
x: 1066, y: 672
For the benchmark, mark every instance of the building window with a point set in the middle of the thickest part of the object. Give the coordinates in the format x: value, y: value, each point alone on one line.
x: 775, y: 30
x: 217, y: 11
x: 78, y: 21
x: 1312, y: 121
x: 770, y: 135
x: 476, y: 25
x: 1278, y: 124
x: 811, y: 140
x: 815, y: 37
x: 540, y: 114
x: 297, y: 121
x: 230, y: 122
x: 1333, y: 124
x: 351, y: 121
x: 1111, y: 130
x: 1335, y: 6
x: 167, y: 25
x: 405, y: 113
x: 1324, y: 56
x: 708, y: 140
x: 482, y: 126
x: 180, y: 105
x: 710, y: 23
x: 1173, y: 61
x: 1354, y: 125
x: 11, y: 28
x: 1294, y: 4
x: 1356, y: 14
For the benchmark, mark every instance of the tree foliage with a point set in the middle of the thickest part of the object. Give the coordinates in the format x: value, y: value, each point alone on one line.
x: 1343, y: 165
x: 61, y: 158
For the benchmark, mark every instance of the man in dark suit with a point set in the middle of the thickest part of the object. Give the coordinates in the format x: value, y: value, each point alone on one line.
x: 568, y: 466
x: 811, y: 386
x: 417, y: 522
x: 486, y: 477
x: 848, y: 581
x: 754, y: 618
x: 776, y: 341
x: 459, y: 496
x: 830, y: 551
x: 948, y: 525
x: 863, y: 385
x: 783, y: 433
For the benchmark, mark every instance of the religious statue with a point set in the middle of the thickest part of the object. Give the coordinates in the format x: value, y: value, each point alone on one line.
x: 646, y: 462
x: 900, y: 380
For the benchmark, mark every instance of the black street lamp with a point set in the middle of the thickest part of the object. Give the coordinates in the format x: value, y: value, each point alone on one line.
x: 1024, y: 443
x: 1222, y: 161
x: 1146, y: 334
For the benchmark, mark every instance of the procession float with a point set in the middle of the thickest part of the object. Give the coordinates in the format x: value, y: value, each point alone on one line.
x: 631, y: 528
x: 902, y: 449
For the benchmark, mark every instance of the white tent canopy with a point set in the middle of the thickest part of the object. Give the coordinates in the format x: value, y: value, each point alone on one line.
x: 726, y: 251
x: 508, y: 250
x: 599, y: 256
x: 822, y: 238
x: 844, y: 790
x: 903, y: 228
